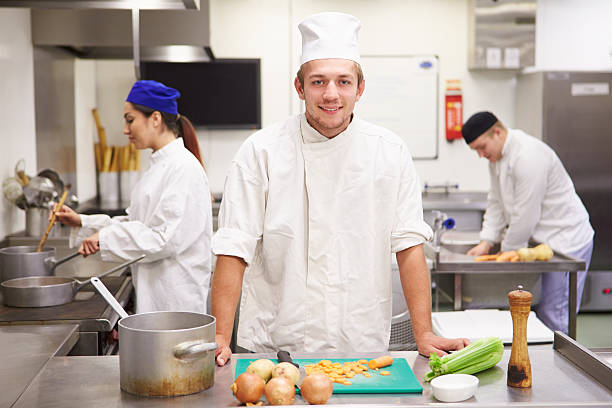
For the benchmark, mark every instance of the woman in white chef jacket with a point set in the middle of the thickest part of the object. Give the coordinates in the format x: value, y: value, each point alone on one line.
x: 169, y: 218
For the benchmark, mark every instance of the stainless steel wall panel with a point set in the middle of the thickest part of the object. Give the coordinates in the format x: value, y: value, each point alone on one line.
x: 54, y: 105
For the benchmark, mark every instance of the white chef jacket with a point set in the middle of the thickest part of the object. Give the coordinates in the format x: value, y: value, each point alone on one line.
x: 316, y: 223
x: 532, y: 194
x: 170, y: 221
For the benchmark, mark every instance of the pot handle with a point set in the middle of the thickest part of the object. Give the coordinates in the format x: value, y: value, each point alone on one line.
x: 110, y: 299
x: 192, y: 349
x: 79, y: 284
x: 51, y: 261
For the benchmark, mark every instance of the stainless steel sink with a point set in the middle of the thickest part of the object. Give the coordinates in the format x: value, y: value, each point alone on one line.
x: 466, y: 208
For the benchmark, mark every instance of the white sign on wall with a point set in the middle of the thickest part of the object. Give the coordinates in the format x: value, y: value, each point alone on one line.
x: 401, y: 94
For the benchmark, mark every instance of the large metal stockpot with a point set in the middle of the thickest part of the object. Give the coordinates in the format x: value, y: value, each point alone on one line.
x: 22, y: 261
x: 167, y: 354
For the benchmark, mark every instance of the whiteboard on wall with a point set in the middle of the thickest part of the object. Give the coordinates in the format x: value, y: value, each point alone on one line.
x: 401, y: 94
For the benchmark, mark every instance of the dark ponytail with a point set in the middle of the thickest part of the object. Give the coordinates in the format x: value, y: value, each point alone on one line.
x: 180, y: 126
x: 187, y: 132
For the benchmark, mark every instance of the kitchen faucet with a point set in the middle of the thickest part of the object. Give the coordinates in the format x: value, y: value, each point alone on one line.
x: 442, y: 222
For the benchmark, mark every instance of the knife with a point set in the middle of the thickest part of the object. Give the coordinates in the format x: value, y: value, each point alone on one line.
x: 284, y: 357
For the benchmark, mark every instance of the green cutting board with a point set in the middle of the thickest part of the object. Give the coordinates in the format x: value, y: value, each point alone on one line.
x: 401, y: 379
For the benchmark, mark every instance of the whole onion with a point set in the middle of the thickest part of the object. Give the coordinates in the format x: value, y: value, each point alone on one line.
x: 248, y: 387
x: 280, y: 391
x: 286, y: 370
x: 262, y: 367
x: 316, y: 389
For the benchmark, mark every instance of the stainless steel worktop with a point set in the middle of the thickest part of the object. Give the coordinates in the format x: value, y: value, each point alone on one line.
x: 24, y: 350
x: 94, y: 381
x: 452, y: 260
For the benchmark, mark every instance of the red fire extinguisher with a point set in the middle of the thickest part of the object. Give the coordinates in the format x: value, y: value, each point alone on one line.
x: 453, y: 108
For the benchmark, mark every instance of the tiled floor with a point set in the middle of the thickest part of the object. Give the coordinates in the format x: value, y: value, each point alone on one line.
x: 594, y: 329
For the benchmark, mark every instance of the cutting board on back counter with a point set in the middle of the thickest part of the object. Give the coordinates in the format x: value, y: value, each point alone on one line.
x: 400, y: 380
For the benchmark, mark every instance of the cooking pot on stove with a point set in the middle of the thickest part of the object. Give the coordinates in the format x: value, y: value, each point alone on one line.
x: 164, y: 354
x: 22, y: 261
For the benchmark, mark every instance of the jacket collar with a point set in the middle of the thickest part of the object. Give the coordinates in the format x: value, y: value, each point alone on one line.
x: 168, y: 150
x: 315, y: 141
x: 310, y: 134
x: 505, y: 155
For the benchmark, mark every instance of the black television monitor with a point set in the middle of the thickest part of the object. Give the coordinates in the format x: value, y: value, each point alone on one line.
x: 221, y: 94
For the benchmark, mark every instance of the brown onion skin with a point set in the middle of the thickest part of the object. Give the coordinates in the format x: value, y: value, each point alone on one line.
x: 280, y: 391
x: 248, y: 387
x: 316, y: 389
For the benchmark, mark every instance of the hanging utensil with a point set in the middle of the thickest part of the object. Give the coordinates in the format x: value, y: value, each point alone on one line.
x: 42, y: 291
x: 37, y: 189
x: 12, y: 189
x: 20, y: 172
x: 55, y: 179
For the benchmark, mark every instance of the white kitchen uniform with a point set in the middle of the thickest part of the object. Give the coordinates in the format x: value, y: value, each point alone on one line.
x: 533, y: 196
x: 316, y: 220
x: 170, y: 221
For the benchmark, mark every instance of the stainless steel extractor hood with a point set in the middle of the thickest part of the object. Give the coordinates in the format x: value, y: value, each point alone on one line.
x: 112, y: 33
x: 141, y: 35
x: 105, y: 4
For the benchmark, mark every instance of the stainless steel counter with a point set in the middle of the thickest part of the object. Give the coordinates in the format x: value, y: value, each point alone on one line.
x: 25, y: 350
x: 94, y: 381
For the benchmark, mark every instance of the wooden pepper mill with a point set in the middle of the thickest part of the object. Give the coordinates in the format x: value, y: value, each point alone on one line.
x: 519, y: 367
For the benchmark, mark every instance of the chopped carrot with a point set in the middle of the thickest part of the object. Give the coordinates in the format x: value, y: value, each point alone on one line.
x: 484, y: 258
x: 380, y: 362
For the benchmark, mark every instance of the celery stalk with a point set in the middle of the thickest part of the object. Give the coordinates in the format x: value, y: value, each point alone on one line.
x: 478, y: 356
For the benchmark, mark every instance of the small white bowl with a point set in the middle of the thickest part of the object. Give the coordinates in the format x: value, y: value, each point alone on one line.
x: 454, y: 387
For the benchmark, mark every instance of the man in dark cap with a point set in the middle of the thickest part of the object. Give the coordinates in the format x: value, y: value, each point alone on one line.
x: 531, y: 196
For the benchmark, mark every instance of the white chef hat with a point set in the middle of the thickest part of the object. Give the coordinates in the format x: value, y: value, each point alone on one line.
x: 329, y: 35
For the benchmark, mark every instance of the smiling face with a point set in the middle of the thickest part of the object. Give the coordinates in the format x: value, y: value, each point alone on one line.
x: 490, y: 144
x: 330, y: 92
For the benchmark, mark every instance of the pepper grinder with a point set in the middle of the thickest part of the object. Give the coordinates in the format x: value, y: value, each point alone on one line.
x: 519, y: 367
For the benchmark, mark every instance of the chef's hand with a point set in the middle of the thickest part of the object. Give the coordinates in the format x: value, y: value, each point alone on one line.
x: 430, y: 343
x: 223, y: 352
x: 481, y: 249
x: 90, y: 245
x: 67, y: 216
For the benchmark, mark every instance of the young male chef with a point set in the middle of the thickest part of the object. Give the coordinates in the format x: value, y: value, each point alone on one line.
x: 531, y: 196
x: 314, y: 206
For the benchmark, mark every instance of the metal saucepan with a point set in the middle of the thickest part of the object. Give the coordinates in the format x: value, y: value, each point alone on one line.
x: 41, y: 291
x: 22, y: 261
x: 164, y: 354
